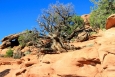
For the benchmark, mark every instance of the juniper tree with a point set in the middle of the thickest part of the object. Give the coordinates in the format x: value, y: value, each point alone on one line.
x: 58, y: 21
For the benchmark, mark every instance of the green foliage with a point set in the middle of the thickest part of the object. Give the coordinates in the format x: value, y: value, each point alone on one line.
x: 28, y: 36
x: 76, y: 22
x: 9, y: 53
x: 100, y: 11
x: 56, y: 18
x: 22, y: 40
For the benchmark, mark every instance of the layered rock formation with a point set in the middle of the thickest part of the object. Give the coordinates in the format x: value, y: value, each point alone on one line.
x: 11, y: 40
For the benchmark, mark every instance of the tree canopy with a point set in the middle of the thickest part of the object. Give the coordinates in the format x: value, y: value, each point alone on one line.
x: 59, y: 19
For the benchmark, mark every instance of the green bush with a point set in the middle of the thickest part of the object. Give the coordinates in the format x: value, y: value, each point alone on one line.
x: 21, y: 40
x: 9, y: 53
x: 100, y: 11
x: 28, y: 36
x: 75, y: 22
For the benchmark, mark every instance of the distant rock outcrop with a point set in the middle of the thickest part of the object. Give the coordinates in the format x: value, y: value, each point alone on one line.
x: 110, y: 22
x: 11, y: 40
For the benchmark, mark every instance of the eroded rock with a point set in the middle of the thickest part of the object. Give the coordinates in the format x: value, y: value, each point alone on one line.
x: 110, y: 22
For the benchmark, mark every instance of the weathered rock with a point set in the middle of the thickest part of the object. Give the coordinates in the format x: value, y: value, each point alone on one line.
x: 25, y: 49
x: 5, y: 44
x: 7, y: 41
x: 110, y: 22
x: 83, y: 36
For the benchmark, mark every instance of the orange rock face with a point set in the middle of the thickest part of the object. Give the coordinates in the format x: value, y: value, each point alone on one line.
x: 110, y: 22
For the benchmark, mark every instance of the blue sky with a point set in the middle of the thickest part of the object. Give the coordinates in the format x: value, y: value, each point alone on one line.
x: 19, y: 15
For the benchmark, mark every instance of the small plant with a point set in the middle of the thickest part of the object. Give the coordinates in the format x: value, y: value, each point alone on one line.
x: 9, y: 53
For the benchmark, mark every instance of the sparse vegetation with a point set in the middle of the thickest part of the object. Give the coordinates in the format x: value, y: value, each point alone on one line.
x: 9, y: 53
x: 76, y: 22
x: 100, y: 11
x: 29, y: 36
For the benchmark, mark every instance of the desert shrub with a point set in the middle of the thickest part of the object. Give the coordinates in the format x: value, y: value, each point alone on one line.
x: 22, y: 40
x: 75, y: 22
x: 9, y: 53
x: 28, y: 36
x: 100, y: 11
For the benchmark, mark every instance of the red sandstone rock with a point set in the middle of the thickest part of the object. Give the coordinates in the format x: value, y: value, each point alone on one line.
x: 110, y: 22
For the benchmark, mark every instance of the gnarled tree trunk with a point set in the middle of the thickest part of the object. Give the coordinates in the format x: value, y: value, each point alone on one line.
x: 57, y: 44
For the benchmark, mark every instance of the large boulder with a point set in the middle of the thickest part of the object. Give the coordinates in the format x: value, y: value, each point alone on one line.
x: 110, y: 22
x: 83, y: 36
